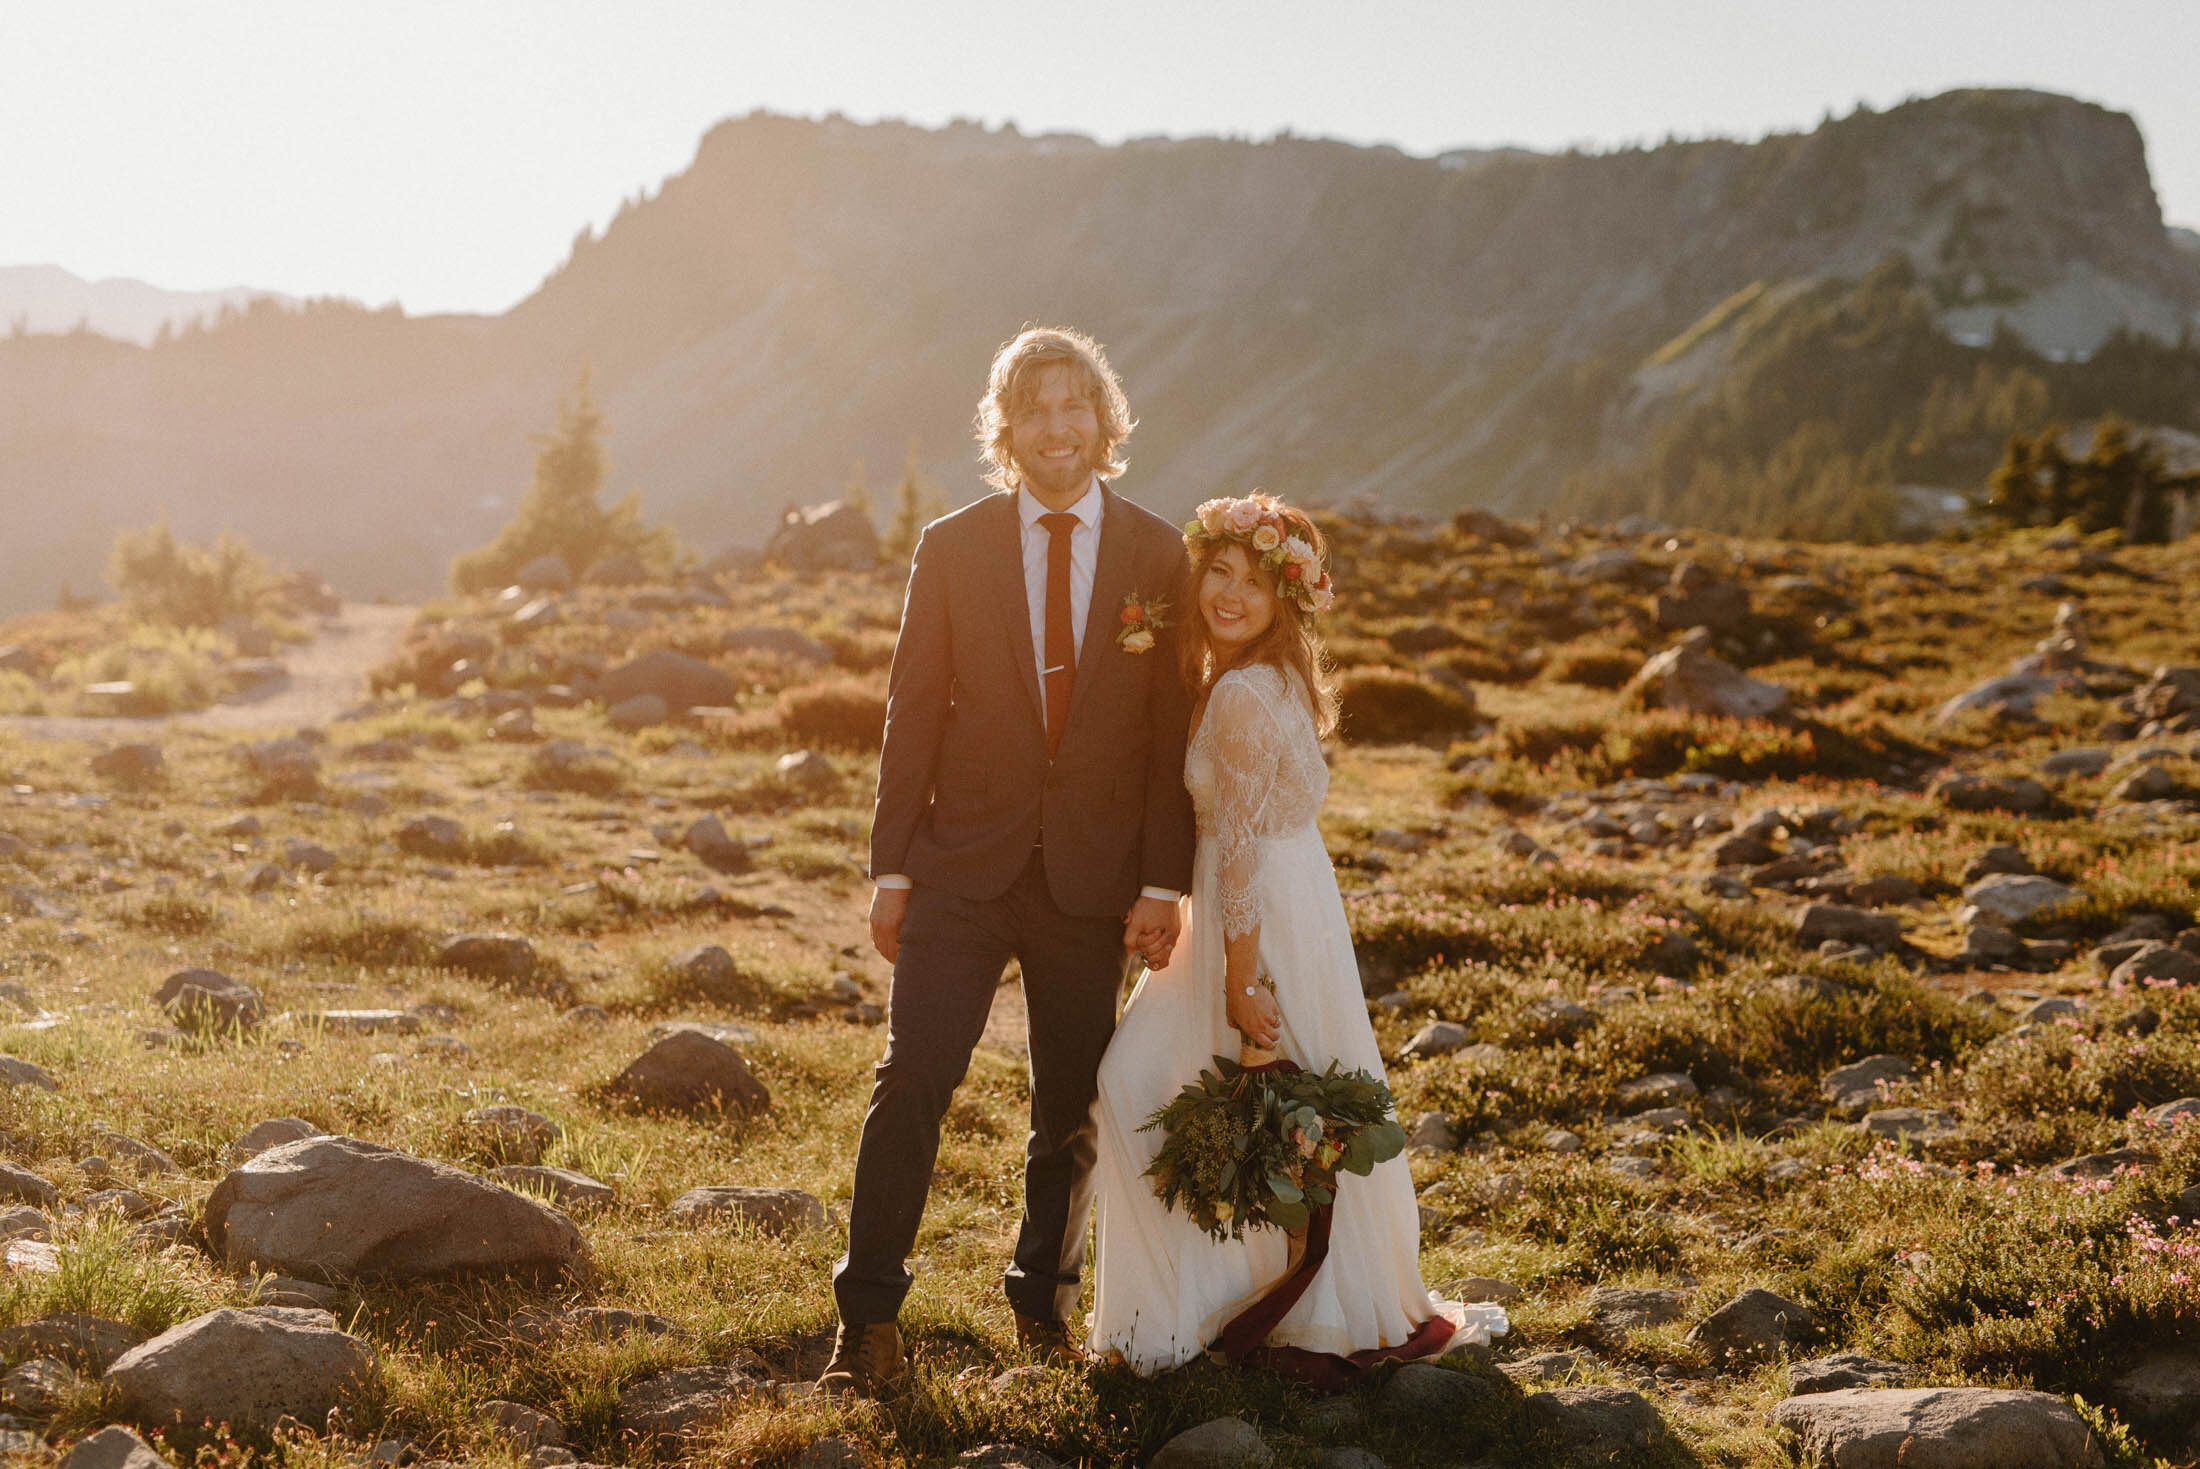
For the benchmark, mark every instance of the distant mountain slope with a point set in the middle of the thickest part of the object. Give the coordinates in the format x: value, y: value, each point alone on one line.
x: 46, y: 298
x: 1327, y: 320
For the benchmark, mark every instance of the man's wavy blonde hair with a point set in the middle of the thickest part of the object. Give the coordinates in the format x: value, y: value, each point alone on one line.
x: 1009, y: 386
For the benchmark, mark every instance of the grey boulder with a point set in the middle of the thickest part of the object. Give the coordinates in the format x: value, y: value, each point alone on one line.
x: 2008, y: 897
x: 1690, y: 677
x: 688, y: 1071
x: 1754, y: 1324
x: 1938, y: 1428
x: 245, y: 1367
x: 1219, y: 1443
x: 207, y: 999
x: 1852, y: 1089
x: 329, y: 1207
x: 1600, y: 1423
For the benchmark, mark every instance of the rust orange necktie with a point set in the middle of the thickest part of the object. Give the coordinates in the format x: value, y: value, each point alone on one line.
x: 1061, y: 642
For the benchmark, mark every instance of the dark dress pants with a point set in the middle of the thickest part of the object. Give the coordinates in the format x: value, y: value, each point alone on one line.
x: 953, y: 953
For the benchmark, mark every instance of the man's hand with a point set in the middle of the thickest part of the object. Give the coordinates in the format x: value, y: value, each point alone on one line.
x: 888, y: 907
x: 1150, y: 930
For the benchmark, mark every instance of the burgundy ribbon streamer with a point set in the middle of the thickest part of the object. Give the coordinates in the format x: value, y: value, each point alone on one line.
x: 1241, y: 1340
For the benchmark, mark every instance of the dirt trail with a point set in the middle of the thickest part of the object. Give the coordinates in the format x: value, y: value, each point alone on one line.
x: 326, y: 677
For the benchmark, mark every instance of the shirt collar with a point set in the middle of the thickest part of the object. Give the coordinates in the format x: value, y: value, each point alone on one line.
x: 1087, y: 508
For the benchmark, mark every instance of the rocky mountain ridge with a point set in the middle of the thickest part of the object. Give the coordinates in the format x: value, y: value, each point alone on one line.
x: 1331, y: 321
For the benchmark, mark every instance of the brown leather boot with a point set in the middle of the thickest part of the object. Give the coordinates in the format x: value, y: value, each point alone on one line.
x: 866, y: 1357
x: 1049, y: 1341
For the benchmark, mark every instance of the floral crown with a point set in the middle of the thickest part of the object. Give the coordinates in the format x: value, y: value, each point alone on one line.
x: 1296, y: 565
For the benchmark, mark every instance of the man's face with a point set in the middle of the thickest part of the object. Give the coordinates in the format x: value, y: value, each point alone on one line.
x: 1053, y: 436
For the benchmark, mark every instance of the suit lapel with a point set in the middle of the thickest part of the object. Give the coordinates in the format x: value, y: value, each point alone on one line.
x: 1004, y: 555
x: 1111, y: 583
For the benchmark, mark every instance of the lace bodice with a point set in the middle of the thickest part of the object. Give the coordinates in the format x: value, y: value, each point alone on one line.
x: 1255, y: 771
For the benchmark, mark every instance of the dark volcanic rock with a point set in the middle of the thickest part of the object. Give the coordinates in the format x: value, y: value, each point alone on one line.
x: 688, y: 1071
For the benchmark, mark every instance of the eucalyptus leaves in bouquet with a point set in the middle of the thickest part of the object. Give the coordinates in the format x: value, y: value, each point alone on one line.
x: 1264, y: 1145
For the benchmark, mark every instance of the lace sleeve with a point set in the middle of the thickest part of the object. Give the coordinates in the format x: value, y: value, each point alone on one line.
x: 1248, y: 754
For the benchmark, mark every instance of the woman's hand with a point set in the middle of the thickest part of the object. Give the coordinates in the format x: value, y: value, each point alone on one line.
x: 1255, y: 1016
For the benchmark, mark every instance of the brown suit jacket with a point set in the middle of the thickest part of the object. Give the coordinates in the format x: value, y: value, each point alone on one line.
x: 965, y: 788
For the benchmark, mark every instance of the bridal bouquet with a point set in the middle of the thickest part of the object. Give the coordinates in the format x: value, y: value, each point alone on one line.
x: 1255, y: 1146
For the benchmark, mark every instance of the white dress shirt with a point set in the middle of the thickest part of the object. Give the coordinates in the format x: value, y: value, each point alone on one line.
x: 1084, y: 558
x: 1084, y: 555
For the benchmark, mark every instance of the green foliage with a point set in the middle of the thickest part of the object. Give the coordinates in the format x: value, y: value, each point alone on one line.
x: 2122, y: 484
x: 559, y: 514
x: 1829, y: 398
x: 1241, y: 1147
x: 187, y: 585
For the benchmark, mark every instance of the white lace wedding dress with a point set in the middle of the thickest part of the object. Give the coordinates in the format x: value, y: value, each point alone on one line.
x: 1163, y: 1288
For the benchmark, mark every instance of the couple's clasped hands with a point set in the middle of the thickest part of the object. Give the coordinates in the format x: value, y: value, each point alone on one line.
x: 1150, y: 930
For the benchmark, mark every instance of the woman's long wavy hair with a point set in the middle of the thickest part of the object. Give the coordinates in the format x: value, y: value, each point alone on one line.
x: 1290, y: 642
x: 1009, y: 386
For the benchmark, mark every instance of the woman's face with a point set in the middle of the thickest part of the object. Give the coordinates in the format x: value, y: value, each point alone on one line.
x: 1238, y: 601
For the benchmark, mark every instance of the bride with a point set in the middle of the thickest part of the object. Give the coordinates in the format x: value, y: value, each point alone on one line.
x: 1266, y: 956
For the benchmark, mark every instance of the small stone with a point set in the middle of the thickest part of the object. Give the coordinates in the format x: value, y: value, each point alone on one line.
x: 1597, y: 1423
x: 569, y: 1189
x: 2084, y: 761
x: 1852, y: 1089
x: 2054, y: 1007
x: 1559, y: 1140
x: 1625, y: 1308
x: 1542, y: 1367
x: 2160, y: 962
x: 1437, y: 1038
x: 1219, y: 1443
x: 1963, y: 791
x: 1432, y: 1131
x: 2011, y: 898
x: 708, y: 840
x: 1844, y: 1369
x: 36, y: 1387
x: 438, y: 837
x: 1659, y: 1089
x: 1425, y: 1388
x: 307, y: 856
x: 503, y: 957
x: 1555, y: 1019
x: 1913, y: 1124
x: 770, y: 1211
x: 522, y: 1426
x: 208, y: 1000
x: 1819, y: 923
x: 113, y: 1447
x: 1754, y: 1324
x: 2105, y: 1165
x: 510, y: 1134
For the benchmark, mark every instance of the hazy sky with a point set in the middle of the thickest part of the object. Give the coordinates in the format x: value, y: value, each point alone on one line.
x: 443, y: 154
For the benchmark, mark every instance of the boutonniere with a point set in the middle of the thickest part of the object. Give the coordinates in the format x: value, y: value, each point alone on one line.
x: 1141, y: 618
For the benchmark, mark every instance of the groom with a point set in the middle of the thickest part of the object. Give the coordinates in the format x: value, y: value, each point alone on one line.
x: 1031, y: 806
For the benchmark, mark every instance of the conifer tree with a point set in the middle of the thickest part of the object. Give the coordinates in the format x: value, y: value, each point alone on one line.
x: 559, y: 514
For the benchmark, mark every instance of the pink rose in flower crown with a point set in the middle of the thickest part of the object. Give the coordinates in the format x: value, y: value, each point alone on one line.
x: 1266, y: 537
x: 1240, y: 517
x: 1210, y: 516
x: 1296, y: 548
